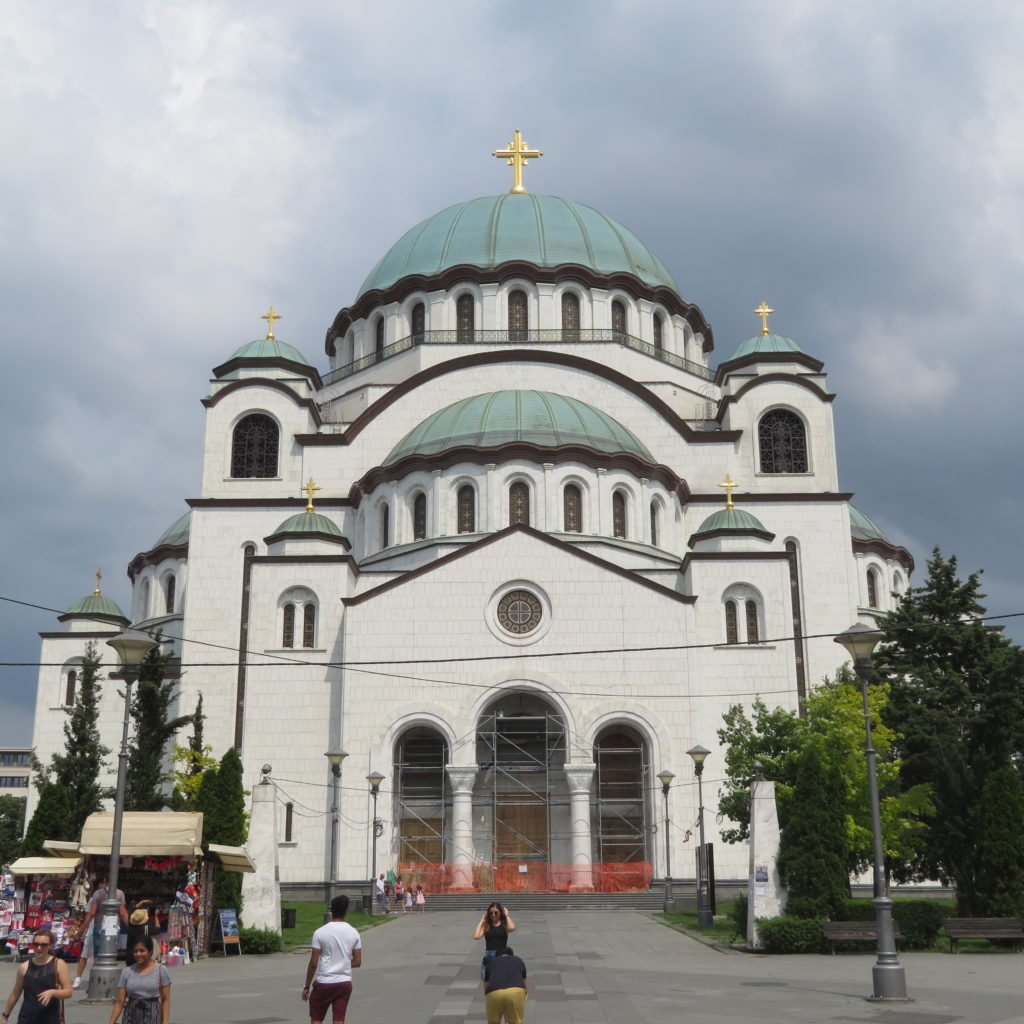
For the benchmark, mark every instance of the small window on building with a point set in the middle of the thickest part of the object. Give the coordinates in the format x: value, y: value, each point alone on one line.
x: 308, y: 624
x: 249, y: 551
x: 572, y: 509
x: 519, y: 504
x: 518, y: 316
x: 169, y: 594
x: 570, y: 316
x: 872, y: 588
x: 385, y: 526
x: 419, y: 517
x: 618, y: 317
x: 378, y: 337
x: 782, y: 442
x: 288, y: 625
x: 654, y: 523
x: 897, y: 585
x: 732, y: 626
x: 466, y: 500
x: 70, y: 686
x: 254, y: 445
x: 289, y: 817
x: 419, y: 323
x: 753, y: 635
x: 465, y: 316
x: 619, y: 515
x: 659, y: 328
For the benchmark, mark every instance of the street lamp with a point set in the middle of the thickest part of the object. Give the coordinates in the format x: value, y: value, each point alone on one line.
x: 666, y: 778
x: 131, y: 648
x: 890, y: 981
x: 704, y: 916
x: 334, y: 757
x: 375, y: 779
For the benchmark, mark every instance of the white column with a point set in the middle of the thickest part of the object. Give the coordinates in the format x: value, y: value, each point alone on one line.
x: 262, y: 890
x: 462, y: 778
x: 602, y: 513
x: 440, y: 524
x: 766, y: 896
x: 579, y: 777
x: 490, y: 506
x: 644, y: 531
x: 548, y: 521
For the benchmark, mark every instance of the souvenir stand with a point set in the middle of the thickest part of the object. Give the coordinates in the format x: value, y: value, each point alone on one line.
x: 36, y: 893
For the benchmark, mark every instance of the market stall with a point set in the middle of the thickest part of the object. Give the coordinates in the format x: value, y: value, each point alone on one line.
x: 37, y: 893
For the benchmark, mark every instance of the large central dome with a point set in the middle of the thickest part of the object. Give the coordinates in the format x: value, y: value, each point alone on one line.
x: 543, y: 230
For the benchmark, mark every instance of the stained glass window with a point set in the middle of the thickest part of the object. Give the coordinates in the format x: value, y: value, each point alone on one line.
x: 872, y: 588
x: 519, y: 504
x: 419, y: 517
x: 465, y: 316
x: 288, y: 626
x: 308, y: 624
x: 572, y: 509
x: 752, y: 631
x: 254, y: 446
x: 378, y: 337
x: 170, y: 595
x: 570, y: 316
x: 518, y: 316
x: 782, y: 442
x: 419, y: 322
x: 619, y: 514
x: 732, y: 629
x: 618, y: 317
x: 519, y: 612
x: 467, y: 509
x: 69, y: 692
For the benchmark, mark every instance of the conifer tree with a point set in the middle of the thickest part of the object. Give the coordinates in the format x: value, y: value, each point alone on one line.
x: 12, y: 821
x: 49, y: 820
x: 1001, y: 845
x: 221, y: 798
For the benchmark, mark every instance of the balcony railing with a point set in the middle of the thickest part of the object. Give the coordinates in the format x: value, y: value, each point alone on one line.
x: 551, y: 337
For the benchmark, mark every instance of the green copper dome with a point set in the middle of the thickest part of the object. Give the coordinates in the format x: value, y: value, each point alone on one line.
x: 503, y: 417
x: 543, y: 230
x: 96, y: 605
x: 308, y: 523
x: 177, y: 532
x: 270, y: 348
x: 766, y: 343
x: 862, y: 528
x: 731, y: 519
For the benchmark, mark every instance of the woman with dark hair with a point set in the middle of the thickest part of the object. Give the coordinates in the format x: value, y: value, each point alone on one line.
x: 144, y: 989
x: 44, y: 980
x: 494, y: 928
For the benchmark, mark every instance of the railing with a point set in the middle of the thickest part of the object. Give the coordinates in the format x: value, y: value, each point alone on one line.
x: 550, y: 337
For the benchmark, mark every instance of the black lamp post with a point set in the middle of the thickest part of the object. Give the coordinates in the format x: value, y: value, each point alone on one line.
x: 666, y: 778
x: 704, y: 916
x: 375, y: 779
x: 131, y: 647
x: 888, y: 977
x: 334, y: 757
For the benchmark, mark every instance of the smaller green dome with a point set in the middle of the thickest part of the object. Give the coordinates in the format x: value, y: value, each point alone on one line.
x: 177, y: 532
x: 96, y: 605
x: 271, y: 348
x: 308, y: 523
x: 731, y: 519
x: 763, y: 343
x: 862, y: 528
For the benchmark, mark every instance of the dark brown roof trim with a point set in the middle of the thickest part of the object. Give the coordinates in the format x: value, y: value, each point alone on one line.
x: 732, y: 365
x: 92, y: 635
x: 697, y: 537
x: 497, y: 357
x: 771, y: 378
x: 266, y: 382
x: 301, y: 559
x: 154, y: 556
x: 331, y: 538
x: 93, y: 616
x: 501, y: 534
x: 885, y: 550
x: 464, y: 272
x: 780, y: 497
x: 732, y: 556
x: 299, y: 503
x: 301, y: 369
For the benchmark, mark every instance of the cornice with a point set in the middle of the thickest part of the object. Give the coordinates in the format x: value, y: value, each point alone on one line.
x: 771, y: 378
x: 732, y: 556
x: 297, y: 503
x: 266, y: 382
x: 264, y: 362
x: 330, y: 538
x: 154, y: 556
x: 884, y: 549
x: 778, y: 497
x: 710, y: 534
x: 732, y: 365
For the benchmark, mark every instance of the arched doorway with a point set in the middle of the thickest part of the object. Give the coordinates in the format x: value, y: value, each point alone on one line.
x: 421, y: 794
x: 621, y: 825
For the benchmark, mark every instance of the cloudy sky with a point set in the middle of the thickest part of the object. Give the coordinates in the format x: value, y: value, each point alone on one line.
x: 172, y: 168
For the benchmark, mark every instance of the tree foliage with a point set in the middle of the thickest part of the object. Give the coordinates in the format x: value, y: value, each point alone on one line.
x: 49, y: 820
x: 12, y: 821
x: 221, y: 798
x: 1001, y: 845
x: 191, y: 762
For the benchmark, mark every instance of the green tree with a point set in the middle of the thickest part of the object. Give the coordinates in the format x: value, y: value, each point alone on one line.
x: 1001, y: 845
x: 191, y: 761
x: 12, y: 821
x: 154, y: 728
x: 49, y: 820
x: 221, y: 798
x: 812, y: 847
x: 957, y: 705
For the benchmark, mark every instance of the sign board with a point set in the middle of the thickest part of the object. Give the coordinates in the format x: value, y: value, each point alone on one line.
x: 228, y: 920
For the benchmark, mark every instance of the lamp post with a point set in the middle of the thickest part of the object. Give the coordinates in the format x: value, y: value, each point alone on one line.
x: 131, y: 647
x: 334, y: 757
x: 375, y: 779
x: 666, y: 778
x: 704, y: 916
x: 888, y: 977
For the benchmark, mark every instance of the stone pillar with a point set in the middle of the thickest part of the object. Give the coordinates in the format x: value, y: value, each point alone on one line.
x: 440, y: 524
x: 490, y: 504
x: 602, y: 514
x: 579, y: 777
x: 462, y: 778
x: 261, y: 891
x: 765, y: 895
x: 547, y: 520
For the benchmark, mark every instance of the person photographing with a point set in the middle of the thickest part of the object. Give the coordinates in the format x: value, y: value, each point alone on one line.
x: 505, y: 988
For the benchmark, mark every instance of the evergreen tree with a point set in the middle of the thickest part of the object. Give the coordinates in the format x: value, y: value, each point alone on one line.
x: 812, y: 848
x: 191, y: 762
x: 78, y: 768
x: 153, y: 730
x: 957, y: 702
x: 49, y: 820
x: 1001, y: 845
x: 221, y: 798
x: 12, y: 821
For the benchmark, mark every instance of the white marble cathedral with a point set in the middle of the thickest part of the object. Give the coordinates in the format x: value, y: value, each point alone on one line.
x: 491, y: 553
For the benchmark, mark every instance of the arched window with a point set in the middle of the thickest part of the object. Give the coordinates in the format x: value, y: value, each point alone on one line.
x: 69, y: 688
x: 570, y: 316
x: 872, y: 588
x: 618, y: 317
x: 385, y: 526
x: 144, y: 600
x: 288, y: 625
x: 518, y: 316
x: 169, y: 594
x: 378, y: 338
x: 419, y: 517
x: 419, y: 323
x: 519, y: 504
x: 465, y: 316
x: 466, y: 502
x: 308, y: 624
x: 619, y: 514
x: 732, y: 627
x: 289, y: 815
x: 572, y: 509
x: 254, y: 446
x: 752, y: 631
x: 654, y: 523
x: 249, y: 551
x: 782, y: 442
x: 659, y: 326
x: 621, y: 783
x: 897, y: 585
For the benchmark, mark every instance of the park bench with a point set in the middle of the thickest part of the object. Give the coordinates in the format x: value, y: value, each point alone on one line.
x: 958, y: 928
x: 853, y: 931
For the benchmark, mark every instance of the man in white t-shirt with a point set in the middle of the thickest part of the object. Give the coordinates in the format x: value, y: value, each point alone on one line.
x: 337, y: 948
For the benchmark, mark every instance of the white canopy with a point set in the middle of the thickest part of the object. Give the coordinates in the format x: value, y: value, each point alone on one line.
x: 145, y: 834
x: 232, y: 858
x: 64, y: 866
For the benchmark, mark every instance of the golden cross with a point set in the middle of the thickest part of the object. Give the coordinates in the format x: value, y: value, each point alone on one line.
x: 730, y: 485
x: 99, y: 576
x: 764, y: 312
x: 518, y: 155
x: 270, y: 316
x: 310, y: 489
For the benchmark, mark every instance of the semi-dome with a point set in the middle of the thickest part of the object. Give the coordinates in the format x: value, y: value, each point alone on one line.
x: 96, y: 606
x: 762, y: 343
x: 862, y: 528
x: 542, y: 230
x: 504, y: 417
x: 177, y: 532
x: 270, y: 348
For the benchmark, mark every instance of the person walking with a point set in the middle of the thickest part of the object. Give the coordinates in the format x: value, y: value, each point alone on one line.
x: 337, y: 949
x: 92, y: 908
x: 421, y: 900
x: 381, y: 889
x: 505, y: 988
x: 399, y: 894
x: 494, y: 928
x: 408, y: 901
x: 144, y: 988
x: 43, y: 980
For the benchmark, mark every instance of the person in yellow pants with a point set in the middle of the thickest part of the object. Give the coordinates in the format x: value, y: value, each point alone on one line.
x: 505, y: 987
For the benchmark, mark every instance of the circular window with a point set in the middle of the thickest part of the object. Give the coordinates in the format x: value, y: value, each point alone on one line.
x: 519, y: 612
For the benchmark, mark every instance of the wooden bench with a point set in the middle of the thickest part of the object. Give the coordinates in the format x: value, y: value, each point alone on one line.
x: 853, y: 931
x: 958, y: 928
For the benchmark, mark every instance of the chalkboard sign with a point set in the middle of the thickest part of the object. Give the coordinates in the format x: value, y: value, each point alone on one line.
x: 229, y: 930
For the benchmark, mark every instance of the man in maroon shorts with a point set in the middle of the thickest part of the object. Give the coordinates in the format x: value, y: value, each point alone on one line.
x: 336, y: 950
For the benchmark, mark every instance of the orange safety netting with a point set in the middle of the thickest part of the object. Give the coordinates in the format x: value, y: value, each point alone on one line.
x: 528, y: 876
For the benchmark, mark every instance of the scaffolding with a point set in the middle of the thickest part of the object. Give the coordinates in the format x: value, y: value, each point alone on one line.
x: 423, y: 796
x: 622, y: 785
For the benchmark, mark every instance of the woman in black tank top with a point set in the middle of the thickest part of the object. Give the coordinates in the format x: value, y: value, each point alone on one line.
x: 494, y: 928
x: 44, y: 981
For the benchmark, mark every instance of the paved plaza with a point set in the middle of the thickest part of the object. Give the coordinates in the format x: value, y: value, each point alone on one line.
x: 590, y: 968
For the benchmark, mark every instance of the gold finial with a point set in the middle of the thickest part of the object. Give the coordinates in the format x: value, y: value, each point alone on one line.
x: 99, y: 576
x: 310, y: 489
x: 729, y: 485
x: 764, y: 312
x: 517, y: 155
x: 270, y: 316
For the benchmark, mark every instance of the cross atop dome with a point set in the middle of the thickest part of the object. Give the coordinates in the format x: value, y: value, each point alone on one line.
x: 310, y: 489
x: 270, y: 316
x: 763, y: 311
x: 99, y: 576
x: 518, y: 154
x: 729, y: 485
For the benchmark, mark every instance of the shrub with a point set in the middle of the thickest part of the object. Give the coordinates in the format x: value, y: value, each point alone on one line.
x: 737, y: 914
x: 259, y: 940
x: 919, y: 920
x: 791, y: 934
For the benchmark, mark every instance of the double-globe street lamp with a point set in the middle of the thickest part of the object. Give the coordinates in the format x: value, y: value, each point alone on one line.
x: 888, y: 977
x: 666, y: 778
x: 374, y: 779
x: 131, y: 647
x: 704, y: 916
x: 334, y: 757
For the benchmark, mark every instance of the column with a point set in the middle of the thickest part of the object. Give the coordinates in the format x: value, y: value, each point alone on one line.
x: 262, y: 890
x: 462, y: 778
x: 547, y: 520
x: 579, y: 777
x: 490, y: 503
x: 440, y: 525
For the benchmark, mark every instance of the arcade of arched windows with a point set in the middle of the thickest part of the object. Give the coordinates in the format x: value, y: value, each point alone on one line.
x: 743, y: 614
x: 882, y: 585
x: 297, y: 618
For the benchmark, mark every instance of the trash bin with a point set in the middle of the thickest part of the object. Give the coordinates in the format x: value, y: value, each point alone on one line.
x: 288, y: 917
x: 366, y: 904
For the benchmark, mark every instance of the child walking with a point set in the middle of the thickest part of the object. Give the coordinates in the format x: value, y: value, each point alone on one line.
x: 421, y: 899
x: 408, y: 901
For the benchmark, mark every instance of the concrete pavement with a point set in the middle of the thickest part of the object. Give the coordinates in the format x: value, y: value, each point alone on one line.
x: 590, y: 968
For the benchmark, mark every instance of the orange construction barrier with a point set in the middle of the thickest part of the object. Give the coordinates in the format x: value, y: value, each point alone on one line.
x: 528, y: 876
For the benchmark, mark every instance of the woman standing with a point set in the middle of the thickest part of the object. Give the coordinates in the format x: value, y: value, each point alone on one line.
x: 44, y: 980
x: 399, y: 894
x: 494, y: 928
x: 146, y: 988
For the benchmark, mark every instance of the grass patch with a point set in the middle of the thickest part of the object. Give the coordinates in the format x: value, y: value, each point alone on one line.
x: 686, y: 920
x: 310, y: 916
